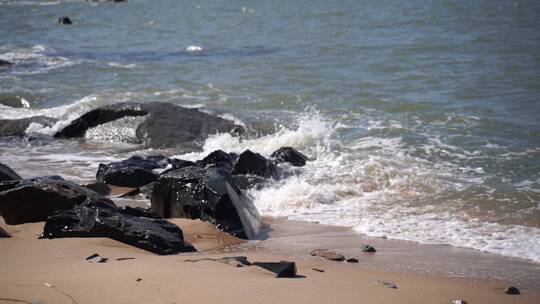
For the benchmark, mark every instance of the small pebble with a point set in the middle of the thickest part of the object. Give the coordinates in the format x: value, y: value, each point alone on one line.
x: 458, y: 302
x: 352, y: 260
x: 368, y: 248
x: 387, y: 284
x: 512, y: 291
x: 139, y: 279
x: 96, y: 258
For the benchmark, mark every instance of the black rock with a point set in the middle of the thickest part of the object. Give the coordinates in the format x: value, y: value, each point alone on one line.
x: 136, y: 171
x: 102, y: 219
x: 218, y: 158
x: 5, y: 63
x: 126, y: 176
x: 166, y: 125
x: 96, y: 258
x: 33, y: 200
x: 99, y: 116
x: 64, y: 20
x: 6, y: 173
x: 512, y: 291
x: 208, y: 194
x: 290, y: 155
x: 368, y: 248
x: 255, y: 164
x: 17, y: 127
x: 352, y: 260
x: 3, y: 233
x: 282, y: 269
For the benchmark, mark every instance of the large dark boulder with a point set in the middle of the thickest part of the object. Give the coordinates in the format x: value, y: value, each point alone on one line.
x: 136, y: 171
x: 33, y: 200
x: 17, y: 127
x: 6, y: 173
x: 255, y: 164
x: 96, y: 218
x: 166, y: 125
x: 208, y: 194
x: 290, y: 155
x: 99, y: 116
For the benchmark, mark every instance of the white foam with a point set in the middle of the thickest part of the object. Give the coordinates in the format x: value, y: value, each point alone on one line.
x: 377, y: 187
x: 34, y: 60
x: 123, y: 65
x: 194, y: 48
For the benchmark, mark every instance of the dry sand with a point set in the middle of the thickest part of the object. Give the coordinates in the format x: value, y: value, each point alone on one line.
x: 55, y: 271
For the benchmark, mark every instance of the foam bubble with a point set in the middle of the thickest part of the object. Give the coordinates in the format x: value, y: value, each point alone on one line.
x: 194, y: 48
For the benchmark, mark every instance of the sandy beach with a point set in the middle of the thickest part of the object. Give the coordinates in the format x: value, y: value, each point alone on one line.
x: 56, y: 271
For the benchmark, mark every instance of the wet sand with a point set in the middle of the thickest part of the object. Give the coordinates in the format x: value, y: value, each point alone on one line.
x: 55, y: 271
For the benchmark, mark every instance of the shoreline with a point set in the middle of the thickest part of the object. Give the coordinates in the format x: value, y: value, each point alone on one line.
x: 27, y: 263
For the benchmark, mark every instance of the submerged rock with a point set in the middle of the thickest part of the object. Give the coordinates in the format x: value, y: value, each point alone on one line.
x: 290, y: 155
x: 328, y: 254
x: 352, y: 260
x: 3, y: 233
x: 16, y: 100
x: 166, y: 125
x: 4, y: 63
x: 64, y: 20
x: 98, y: 218
x: 17, y: 127
x: 6, y: 173
x: 255, y: 164
x: 208, y: 194
x: 33, y: 200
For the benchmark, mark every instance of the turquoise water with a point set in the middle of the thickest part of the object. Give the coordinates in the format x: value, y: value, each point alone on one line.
x: 422, y: 116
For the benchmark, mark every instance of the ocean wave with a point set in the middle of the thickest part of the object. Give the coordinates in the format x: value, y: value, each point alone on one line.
x: 34, y: 60
x: 374, y: 183
x: 376, y: 186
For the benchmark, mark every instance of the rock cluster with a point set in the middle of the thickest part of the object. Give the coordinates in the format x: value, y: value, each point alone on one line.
x: 209, y: 189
